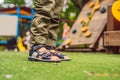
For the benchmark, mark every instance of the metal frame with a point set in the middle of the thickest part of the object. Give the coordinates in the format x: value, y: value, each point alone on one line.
x: 18, y: 25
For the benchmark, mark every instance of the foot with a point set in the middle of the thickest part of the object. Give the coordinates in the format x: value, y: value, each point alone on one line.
x: 42, y: 54
x: 59, y: 55
x: 43, y: 49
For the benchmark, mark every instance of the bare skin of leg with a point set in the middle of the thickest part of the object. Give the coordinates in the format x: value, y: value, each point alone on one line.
x: 52, y: 57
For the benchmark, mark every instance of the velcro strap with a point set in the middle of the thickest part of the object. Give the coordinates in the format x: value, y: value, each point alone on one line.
x: 36, y: 47
x: 58, y: 54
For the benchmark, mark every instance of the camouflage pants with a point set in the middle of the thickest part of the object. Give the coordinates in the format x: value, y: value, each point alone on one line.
x: 46, y: 21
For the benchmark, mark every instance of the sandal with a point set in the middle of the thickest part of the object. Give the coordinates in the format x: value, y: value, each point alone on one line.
x: 44, y: 56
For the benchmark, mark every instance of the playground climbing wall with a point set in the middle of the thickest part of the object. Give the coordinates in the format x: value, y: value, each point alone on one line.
x: 89, y: 25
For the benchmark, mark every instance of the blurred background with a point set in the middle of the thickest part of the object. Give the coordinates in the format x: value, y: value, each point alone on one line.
x: 24, y: 12
x: 82, y: 25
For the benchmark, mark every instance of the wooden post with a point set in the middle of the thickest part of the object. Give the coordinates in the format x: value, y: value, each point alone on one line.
x: 112, y: 25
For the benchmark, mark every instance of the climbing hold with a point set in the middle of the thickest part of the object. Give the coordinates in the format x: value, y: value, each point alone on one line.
x: 74, y: 31
x: 81, y: 20
x: 116, y: 10
x: 89, y: 13
x: 88, y: 33
x: 91, y: 4
x: 90, y: 16
x: 68, y: 41
x: 83, y: 24
x: 97, y: 7
x: 84, y: 29
x: 103, y: 10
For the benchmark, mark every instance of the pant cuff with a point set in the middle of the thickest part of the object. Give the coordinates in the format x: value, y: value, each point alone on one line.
x: 51, y: 42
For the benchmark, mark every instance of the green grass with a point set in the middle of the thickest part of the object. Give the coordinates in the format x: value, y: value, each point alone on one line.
x: 84, y: 66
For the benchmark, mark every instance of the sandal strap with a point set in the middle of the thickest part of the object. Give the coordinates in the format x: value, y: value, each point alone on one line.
x: 44, y: 54
x: 36, y: 47
x: 35, y: 54
x: 58, y: 54
x: 50, y: 47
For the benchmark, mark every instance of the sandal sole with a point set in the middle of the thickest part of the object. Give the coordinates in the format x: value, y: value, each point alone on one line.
x: 66, y: 59
x: 42, y: 60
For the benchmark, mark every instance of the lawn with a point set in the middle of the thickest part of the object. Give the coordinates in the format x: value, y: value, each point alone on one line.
x: 84, y: 66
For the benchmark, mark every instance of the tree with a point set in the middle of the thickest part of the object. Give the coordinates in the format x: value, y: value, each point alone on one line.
x: 0, y: 6
x: 15, y: 2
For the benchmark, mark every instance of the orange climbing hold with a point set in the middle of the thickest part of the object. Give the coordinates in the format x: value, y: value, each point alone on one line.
x: 91, y: 4
x: 84, y: 29
x: 81, y: 20
x: 97, y: 7
x: 68, y: 42
x: 88, y: 33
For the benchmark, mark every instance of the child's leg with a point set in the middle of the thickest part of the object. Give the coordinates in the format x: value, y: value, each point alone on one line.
x: 54, y: 23
x: 43, y: 13
x: 39, y: 31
